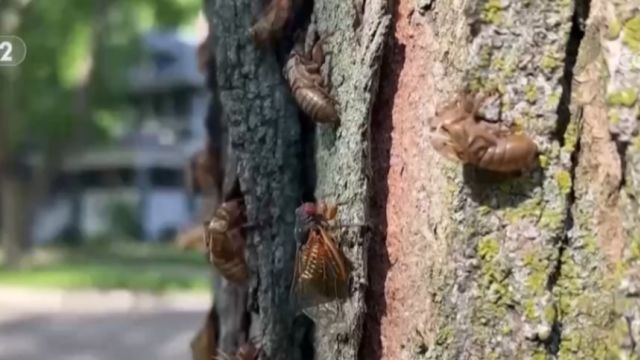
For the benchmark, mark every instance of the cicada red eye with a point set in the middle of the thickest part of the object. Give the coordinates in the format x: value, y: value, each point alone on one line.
x: 247, y: 351
x: 309, y: 209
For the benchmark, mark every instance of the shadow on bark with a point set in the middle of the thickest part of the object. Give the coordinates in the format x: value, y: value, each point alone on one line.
x: 378, y: 256
x: 485, y: 186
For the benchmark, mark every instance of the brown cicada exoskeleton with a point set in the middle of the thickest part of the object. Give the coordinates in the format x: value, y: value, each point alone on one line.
x: 204, y: 345
x: 246, y: 351
x: 225, y: 240
x: 191, y: 239
x: 321, y: 272
x: 203, y: 55
x: 309, y: 86
x: 271, y: 23
x: 205, y: 172
x: 461, y: 136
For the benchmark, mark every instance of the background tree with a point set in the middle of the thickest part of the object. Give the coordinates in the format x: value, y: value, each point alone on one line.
x: 69, y: 91
x: 461, y: 264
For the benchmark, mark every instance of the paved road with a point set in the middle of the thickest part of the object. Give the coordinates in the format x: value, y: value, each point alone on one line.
x: 88, y: 325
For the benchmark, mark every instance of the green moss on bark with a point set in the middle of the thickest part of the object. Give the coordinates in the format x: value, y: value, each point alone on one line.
x: 492, y: 12
x: 563, y: 179
x: 551, y: 62
x: 631, y: 33
x: 626, y: 97
x: 613, y: 29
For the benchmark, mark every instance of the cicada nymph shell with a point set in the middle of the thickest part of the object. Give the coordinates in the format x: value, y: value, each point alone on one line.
x: 460, y: 135
x: 309, y: 87
x: 271, y: 23
x: 203, y: 56
x: 204, y: 345
x: 247, y: 351
x: 204, y: 172
x: 191, y: 239
x: 321, y: 272
x: 225, y: 241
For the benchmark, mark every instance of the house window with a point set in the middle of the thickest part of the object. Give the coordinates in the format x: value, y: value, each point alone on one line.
x: 163, y: 60
x: 182, y: 102
x: 118, y: 177
x: 166, y: 177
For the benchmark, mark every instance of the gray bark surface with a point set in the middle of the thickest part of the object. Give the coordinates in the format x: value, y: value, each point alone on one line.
x: 541, y: 266
x: 342, y: 155
x: 504, y: 237
x: 264, y: 132
x: 263, y: 129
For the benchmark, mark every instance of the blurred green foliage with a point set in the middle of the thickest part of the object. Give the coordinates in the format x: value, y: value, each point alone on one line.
x: 125, y: 220
x: 77, y: 48
x: 112, y: 265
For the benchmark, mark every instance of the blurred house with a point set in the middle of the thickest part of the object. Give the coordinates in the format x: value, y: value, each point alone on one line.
x: 136, y: 185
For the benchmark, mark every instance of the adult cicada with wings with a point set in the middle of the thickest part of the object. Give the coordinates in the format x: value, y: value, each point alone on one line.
x: 321, y: 272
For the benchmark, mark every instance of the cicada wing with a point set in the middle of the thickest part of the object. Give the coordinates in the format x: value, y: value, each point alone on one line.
x: 337, y: 262
x: 321, y: 271
x: 331, y: 283
x: 333, y: 268
x: 302, y: 289
x: 295, y: 283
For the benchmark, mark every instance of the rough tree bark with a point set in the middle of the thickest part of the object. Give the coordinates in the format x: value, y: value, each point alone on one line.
x: 461, y: 264
x: 342, y: 156
x: 264, y: 134
x: 544, y: 266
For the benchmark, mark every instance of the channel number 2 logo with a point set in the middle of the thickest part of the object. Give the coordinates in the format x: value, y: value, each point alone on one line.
x: 13, y: 50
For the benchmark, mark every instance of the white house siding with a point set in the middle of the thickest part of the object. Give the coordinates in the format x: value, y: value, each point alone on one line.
x: 51, y: 219
x: 95, y: 205
x: 166, y: 208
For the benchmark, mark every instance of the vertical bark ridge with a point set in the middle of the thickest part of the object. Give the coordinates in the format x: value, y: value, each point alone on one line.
x: 264, y: 133
x: 343, y: 154
x: 506, y: 234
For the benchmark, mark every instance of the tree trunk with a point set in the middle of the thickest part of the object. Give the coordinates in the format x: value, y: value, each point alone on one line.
x: 264, y: 134
x: 544, y: 266
x: 461, y: 264
x: 14, y: 222
x: 13, y: 217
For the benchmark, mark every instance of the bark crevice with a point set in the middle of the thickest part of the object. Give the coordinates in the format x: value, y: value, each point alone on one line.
x: 381, y: 128
x: 580, y: 14
x: 565, y: 117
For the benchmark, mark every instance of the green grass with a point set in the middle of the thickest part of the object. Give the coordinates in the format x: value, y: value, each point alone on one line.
x: 112, y: 265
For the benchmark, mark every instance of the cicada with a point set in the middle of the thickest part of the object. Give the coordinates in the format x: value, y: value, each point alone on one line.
x: 246, y: 351
x: 272, y: 22
x: 460, y: 135
x: 204, y: 345
x: 203, y: 56
x: 308, y: 86
x: 224, y: 238
x: 321, y: 272
x: 204, y: 173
